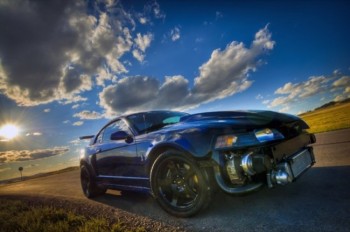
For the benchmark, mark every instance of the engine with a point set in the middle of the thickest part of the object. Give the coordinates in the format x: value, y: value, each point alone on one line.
x: 240, y: 168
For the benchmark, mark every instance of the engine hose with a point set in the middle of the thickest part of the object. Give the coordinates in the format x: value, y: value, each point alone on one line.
x: 236, y: 190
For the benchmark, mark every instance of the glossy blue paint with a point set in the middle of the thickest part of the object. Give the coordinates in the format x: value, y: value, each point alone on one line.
x: 127, y: 161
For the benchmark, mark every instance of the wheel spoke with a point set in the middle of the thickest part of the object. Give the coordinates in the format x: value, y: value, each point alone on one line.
x: 189, y: 174
x: 174, y: 199
x: 165, y: 182
x: 173, y: 167
x: 190, y: 193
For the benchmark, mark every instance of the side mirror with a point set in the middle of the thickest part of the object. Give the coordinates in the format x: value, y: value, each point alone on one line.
x: 122, y: 135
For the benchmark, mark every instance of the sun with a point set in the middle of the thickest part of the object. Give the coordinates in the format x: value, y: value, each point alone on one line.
x: 9, y: 131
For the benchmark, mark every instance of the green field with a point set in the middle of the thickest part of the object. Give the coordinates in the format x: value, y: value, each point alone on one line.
x: 328, y: 119
x: 16, y: 215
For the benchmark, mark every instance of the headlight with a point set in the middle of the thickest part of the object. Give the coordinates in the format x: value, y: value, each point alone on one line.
x: 225, y: 141
x: 240, y: 140
x: 248, y: 139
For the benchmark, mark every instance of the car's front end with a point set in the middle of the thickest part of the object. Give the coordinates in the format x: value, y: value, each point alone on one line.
x: 257, y: 147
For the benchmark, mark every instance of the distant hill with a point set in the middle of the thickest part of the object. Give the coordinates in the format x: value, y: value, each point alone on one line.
x: 38, y: 175
x: 328, y: 117
x: 332, y: 103
x: 328, y: 104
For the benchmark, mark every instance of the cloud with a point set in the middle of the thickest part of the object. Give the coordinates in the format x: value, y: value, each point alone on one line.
x: 47, y: 110
x: 224, y: 74
x: 129, y: 93
x: 85, y: 114
x: 75, y: 106
x: 142, y: 42
x: 284, y: 109
x: 340, y: 97
x: 343, y: 85
x: 25, y: 155
x: 151, y: 10
x: 291, y: 93
x: 34, y: 134
x: 158, y: 13
x: 347, y: 90
x: 50, y: 50
x: 143, y: 20
x: 78, y: 123
x: 344, y: 81
x: 31, y: 166
x: 175, y: 34
x: 298, y: 91
x: 218, y: 15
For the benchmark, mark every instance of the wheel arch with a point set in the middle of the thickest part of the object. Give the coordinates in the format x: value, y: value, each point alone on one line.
x: 83, y: 162
x: 161, y: 148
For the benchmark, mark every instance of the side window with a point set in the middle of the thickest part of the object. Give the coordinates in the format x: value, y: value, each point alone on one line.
x: 105, y: 135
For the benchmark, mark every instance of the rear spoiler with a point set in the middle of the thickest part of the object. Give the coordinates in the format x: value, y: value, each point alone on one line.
x: 86, y: 137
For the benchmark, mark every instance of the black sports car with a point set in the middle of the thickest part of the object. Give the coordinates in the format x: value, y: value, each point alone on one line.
x: 181, y: 158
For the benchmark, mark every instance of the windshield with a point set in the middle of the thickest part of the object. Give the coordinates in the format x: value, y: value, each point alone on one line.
x: 151, y: 121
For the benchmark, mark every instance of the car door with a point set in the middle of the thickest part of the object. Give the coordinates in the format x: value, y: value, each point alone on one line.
x: 116, y: 159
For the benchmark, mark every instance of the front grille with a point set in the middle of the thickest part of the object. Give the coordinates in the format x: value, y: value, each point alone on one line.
x: 300, y: 162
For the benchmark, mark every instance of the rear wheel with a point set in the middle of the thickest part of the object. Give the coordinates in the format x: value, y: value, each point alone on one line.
x: 88, y: 183
x: 179, y: 185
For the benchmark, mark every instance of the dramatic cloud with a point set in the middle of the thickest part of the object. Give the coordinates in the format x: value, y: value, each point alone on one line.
x: 224, y: 74
x: 25, y: 155
x: 291, y: 93
x: 129, y: 93
x: 49, y: 50
x: 298, y: 91
x: 85, y: 114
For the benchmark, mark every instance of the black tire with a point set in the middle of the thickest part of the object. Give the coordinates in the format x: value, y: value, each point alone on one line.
x: 88, y: 184
x: 180, y: 187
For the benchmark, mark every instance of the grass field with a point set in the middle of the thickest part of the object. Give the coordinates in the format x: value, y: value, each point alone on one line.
x: 16, y: 215
x: 327, y: 119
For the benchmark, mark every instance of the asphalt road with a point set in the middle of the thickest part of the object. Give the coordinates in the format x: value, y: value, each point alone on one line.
x: 318, y: 201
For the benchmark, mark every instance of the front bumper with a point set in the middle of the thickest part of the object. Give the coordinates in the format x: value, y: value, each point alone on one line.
x: 240, y: 171
x: 291, y: 168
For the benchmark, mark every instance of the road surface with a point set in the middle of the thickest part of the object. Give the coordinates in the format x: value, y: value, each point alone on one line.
x: 318, y: 201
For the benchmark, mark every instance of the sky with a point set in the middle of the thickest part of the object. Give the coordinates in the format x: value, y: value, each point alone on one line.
x: 68, y: 67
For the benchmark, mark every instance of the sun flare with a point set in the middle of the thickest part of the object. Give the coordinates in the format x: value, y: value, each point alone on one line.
x: 9, y: 131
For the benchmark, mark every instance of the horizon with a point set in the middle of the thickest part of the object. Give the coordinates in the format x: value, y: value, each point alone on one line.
x: 66, y: 68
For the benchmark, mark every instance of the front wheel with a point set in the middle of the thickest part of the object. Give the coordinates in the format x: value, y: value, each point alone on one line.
x: 180, y: 187
x: 88, y: 184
